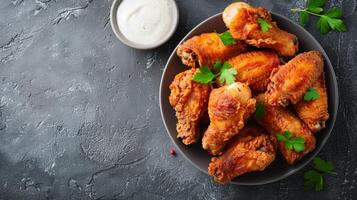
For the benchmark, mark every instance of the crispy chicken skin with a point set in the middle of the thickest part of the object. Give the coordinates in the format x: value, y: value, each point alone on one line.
x: 206, y: 49
x: 189, y: 99
x: 315, y: 113
x: 254, y: 68
x: 242, y: 21
x: 290, y: 82
x: 228, y: 108
x: 251, y: 150
x: 277, y: 120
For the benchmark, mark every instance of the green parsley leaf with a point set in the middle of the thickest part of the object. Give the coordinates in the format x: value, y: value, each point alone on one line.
x: 336, y: 24
x: 323, y: 25
x: 259, y: 110
x: 315, y: 9
x: 298, y: 147
x: 323, y: 166
x: 227, y: 74
x: 326, y: 23
x: 316, y: 3
x: 280, y: 137
x: 315, y: 6
x: 264, y: 25
x: 205, y: 76
x: 288, y: 145
x: 227, y: 38
x: 288, y: 134
x: 331, y: 20
x: 311, y: 94
x: 218, y: 65
x: 313, y: 180
x: 304, y: 18
x: 298, y: 140
x: 296, y: 143
x: 334, y: 12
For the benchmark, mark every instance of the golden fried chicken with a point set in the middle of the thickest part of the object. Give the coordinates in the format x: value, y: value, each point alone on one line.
x: 251, y: 150
x: 242, y: 21
x: 254, y: 68
x: 277, y: 120
x: 189, y: 99
x: 228, y: 108
x: 290, y: 82
x: 206, y: 49
x: 315, y: 113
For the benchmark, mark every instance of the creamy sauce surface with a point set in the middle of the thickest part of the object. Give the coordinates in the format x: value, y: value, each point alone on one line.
x: 145, y: 21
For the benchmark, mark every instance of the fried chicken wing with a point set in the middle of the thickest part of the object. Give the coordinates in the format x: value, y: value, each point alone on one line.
x: 254, y: 68
x: 277, y: 120
x: 315, y: 113
x: 242, y: 21
x: 206, y: 49
x: 251, y: 150
x: 189, y: 99
x: 228, y: 108
x: 290, y: 82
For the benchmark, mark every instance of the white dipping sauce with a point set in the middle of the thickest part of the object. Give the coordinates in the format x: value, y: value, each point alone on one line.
x: 145, y: 21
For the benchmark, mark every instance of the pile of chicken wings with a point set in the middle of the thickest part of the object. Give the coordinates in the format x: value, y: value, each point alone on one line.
x: 239, y: 142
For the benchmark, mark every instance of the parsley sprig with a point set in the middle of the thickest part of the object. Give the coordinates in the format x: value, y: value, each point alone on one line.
x: 291, y: 143
x: 331, y: 20
x: 264, y: 24
x: 225, y: 72
x: 311, y: 94
x: 227, y: 38
x: 314, y: 178
x: 204, y: 76
x: 259, y: 110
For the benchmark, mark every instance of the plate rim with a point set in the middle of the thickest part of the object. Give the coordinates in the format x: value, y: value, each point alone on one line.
x: 312, y: 155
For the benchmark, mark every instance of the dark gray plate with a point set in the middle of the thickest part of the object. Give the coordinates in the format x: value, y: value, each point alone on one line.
x: 278, y: 169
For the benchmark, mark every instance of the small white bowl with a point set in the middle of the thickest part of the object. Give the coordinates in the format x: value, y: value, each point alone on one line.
x: 123, y: 39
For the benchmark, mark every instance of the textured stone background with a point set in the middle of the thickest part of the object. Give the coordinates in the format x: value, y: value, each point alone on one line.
x: 79, y: 113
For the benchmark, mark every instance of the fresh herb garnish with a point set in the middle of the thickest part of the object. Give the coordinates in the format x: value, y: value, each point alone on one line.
x: 316, y: 5
x: 259, y: 110
x: 204, y: 76
x: 323, y: 166
x: 264, y: 25
x: 291, y: 143
x: 227, y: 38
x: 303, y: 18
x: 314, y: 178
x: 311, y: 94
x: 225, y: 72
x: 331, y: 20
x: 217, y: 65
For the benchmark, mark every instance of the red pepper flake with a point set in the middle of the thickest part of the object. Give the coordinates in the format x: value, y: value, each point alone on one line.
x: 172, y: 152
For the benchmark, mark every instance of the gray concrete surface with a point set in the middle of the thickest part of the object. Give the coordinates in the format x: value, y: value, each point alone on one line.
x: 79, y: 113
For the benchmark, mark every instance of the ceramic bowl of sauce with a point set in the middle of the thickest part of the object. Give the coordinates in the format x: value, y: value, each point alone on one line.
x: 144, y: 24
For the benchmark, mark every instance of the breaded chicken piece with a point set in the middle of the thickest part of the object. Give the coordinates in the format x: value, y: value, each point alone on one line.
x: 206, y: 49
x: 277, y: 120
x: 242, y: 21
x: 228, y: 108
x: 290, y: 82
x: 189, y: 99
x: 254, y: 68
x: 315, y: 113
x: 251, y: 150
